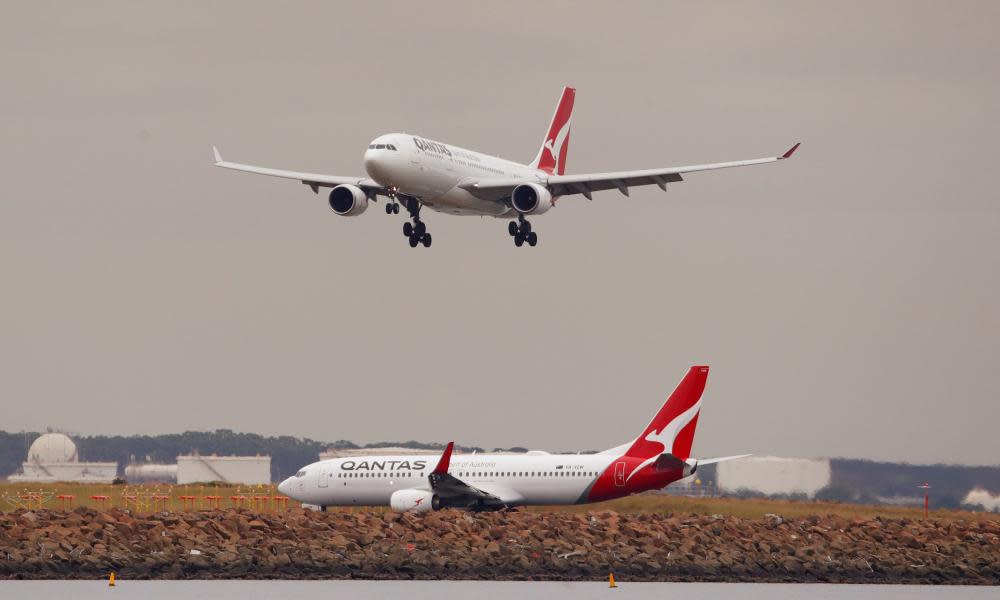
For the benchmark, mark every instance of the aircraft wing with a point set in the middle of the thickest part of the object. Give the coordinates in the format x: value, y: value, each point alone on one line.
x: 313, y: 180
x: 585, y: 184
x: 453, y: 491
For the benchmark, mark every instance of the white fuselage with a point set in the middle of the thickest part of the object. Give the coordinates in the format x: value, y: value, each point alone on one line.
x: 433, y: 171
x: 533, y: 478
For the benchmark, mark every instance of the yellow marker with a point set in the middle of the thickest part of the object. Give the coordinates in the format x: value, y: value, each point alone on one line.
x: 111, y: 580
x: 611, y: 580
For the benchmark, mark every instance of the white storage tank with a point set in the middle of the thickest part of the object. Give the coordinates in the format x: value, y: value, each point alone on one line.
x: 150, y: 472
x: 250, y: 470
x: 54, y: 457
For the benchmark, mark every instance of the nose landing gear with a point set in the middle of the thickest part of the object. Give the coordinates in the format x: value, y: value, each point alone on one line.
x: 392, y: 207
x: 521, y: 232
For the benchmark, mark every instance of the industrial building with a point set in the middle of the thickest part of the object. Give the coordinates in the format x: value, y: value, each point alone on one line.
x: 774, y: 476
x: 54, y: 457
x: 250, y: 470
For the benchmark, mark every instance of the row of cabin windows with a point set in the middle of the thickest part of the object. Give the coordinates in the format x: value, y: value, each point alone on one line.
x: 530, y: 474
x: 387, y: 475
x: 381, y: 147
x: 484, y: 168
x: 486, y: 474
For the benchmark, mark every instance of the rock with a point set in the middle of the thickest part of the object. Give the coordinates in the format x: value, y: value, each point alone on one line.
x: 518, y: 544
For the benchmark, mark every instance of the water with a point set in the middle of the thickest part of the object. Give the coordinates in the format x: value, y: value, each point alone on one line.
x: 480, y: 590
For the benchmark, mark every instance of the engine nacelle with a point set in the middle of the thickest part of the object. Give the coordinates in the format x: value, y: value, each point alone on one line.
x: 531, y: 199
x: 348, y: 200
x: 414, y: 501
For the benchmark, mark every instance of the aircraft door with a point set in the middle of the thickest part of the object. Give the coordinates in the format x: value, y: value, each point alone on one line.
x: 324, y: 476
x: 620, y: 474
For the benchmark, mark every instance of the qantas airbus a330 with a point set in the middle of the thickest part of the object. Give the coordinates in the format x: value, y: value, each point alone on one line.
x: 415, y: 172
x: 659, y: 456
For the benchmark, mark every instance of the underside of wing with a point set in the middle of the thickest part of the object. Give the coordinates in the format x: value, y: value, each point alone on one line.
x: 454, y: 492
x: 313, y: 180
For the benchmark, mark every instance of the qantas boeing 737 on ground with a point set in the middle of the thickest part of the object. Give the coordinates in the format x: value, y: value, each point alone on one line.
x: 415, y: 172
x: 659, y: 456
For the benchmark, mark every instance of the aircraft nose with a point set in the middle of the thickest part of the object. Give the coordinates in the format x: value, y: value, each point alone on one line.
x: 285, y: 486
x: 379, y: 164
x: 373, y: 164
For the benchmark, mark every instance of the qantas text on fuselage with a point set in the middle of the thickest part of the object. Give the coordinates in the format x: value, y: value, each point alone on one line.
x: 416, y: 172
x: 660, y: 455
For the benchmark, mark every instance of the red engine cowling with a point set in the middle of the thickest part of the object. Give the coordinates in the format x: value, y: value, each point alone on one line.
x: 348, y: 200
x: 531, y: 199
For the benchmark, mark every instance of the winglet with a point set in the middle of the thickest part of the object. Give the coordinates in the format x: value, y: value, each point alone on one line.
x: 791, y: 151
x: 218, y: 157
x: 442, y: 466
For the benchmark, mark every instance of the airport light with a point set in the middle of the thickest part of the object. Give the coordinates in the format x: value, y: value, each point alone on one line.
x: 927, y: 497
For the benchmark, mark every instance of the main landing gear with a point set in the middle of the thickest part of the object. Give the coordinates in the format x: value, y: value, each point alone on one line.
x: 417, y: 230
x: 521, y: 232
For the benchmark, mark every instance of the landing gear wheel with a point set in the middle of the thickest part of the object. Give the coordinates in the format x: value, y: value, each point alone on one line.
x: 419, y: 228
x: 395, y: 208
x: 388, y: 209
x: 518, y: 240
x: 525, y: 228
x: 408, y: 229
x: 512, y: 228
x: 414, y: 240
x: 532, y: 239
x: 426, y: 240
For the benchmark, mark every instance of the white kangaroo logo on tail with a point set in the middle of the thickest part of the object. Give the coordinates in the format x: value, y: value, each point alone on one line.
x: 667, y: 436
x: 555, y: 145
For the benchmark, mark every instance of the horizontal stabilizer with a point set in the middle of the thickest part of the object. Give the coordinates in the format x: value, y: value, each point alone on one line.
x: 711, y: 461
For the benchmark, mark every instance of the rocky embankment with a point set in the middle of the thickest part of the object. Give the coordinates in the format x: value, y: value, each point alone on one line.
x: 238, y: 543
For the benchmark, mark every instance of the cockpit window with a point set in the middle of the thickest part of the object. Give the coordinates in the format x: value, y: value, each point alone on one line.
x: 390, y: 147
x: 379, y: 146
x: 371, y: 146
x: 301, y: 473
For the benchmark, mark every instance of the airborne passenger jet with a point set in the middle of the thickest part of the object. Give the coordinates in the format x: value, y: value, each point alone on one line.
x: 658, y: 457
x: 415, y: 171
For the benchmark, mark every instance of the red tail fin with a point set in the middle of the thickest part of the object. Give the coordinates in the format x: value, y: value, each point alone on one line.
x: 672, y: 429
x: 552, y: 155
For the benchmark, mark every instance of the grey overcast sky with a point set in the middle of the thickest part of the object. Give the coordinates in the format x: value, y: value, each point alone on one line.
x: 847, y: 300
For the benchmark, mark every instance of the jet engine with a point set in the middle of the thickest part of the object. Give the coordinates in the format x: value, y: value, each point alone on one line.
x: 531, y: 199
x: 348, y: 200
x: 414, y: 501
